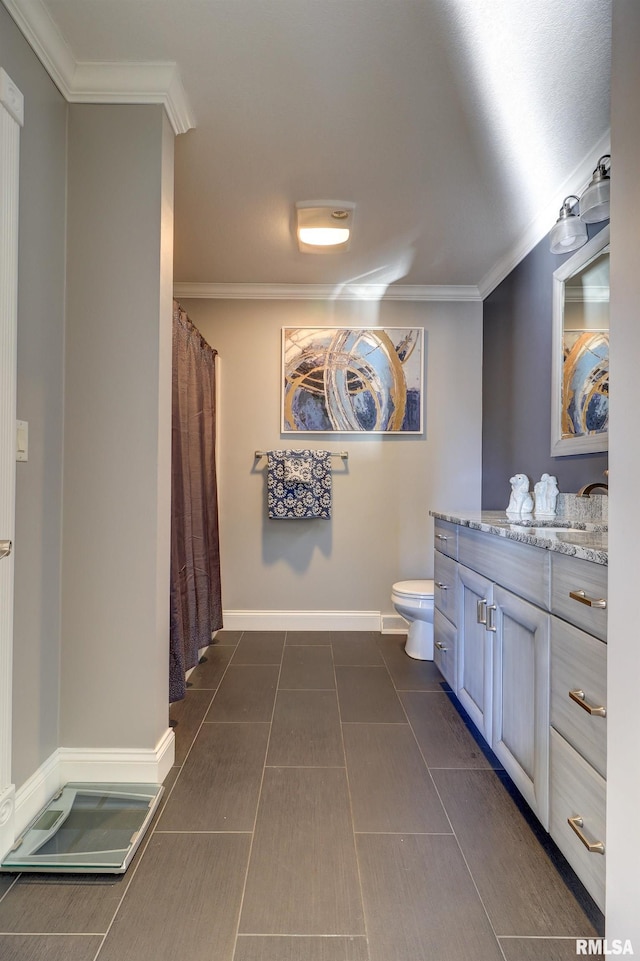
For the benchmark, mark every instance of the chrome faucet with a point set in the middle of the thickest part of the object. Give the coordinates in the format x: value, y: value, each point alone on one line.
x: 590, y: 488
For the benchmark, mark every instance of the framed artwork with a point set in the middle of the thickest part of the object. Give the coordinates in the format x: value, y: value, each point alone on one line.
x: 580, y: 351
x: 351, y: 379
x: 585, y: 383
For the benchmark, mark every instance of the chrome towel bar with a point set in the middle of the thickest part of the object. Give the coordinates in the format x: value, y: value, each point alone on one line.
x: 343, y: 454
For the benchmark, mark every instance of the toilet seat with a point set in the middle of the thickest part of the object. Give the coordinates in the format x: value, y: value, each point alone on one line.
x: 415, y: 588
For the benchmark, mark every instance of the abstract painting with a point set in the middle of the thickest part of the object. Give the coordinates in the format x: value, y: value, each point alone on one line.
x: 350, y: 379
x: 585, y: 383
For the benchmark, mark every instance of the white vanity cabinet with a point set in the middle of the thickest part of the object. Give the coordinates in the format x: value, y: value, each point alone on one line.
x: 578, y: 718
x: 474, y: 683
x: 521, y: 696
x: 526, y: 644
x: 445, y: 591
x: 503, y: 655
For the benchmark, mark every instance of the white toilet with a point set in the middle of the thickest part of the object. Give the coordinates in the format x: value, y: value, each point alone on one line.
x: 414, y: 601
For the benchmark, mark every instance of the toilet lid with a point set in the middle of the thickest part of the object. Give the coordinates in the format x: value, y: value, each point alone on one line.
x: 414, y: 588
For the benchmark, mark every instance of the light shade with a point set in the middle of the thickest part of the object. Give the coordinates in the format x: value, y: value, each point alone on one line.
x: 569, y: 232
x: 594, y: 203
x: 324, y: 225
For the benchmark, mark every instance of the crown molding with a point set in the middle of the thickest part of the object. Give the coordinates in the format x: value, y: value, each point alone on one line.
x: 100, y: 82
x: 542, y: 224
x: 365, y: 292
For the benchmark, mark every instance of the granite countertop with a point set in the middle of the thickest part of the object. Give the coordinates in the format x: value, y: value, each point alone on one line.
x: 587, y: 539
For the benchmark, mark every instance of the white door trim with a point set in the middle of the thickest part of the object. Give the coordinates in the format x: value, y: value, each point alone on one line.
x: 11, y: 119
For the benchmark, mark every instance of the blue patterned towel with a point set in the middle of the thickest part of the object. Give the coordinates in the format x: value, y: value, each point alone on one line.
x: 289, y: 498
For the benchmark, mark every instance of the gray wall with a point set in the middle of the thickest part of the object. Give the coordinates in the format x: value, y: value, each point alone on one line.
x: 116, y: 548
x: 380, y: 530
x: 516, y: 392
x: 36, y: 658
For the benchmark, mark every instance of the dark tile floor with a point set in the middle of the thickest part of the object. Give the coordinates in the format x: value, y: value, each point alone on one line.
x: 328, y: 803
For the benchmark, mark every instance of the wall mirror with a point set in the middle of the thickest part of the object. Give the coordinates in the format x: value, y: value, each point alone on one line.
x: 580, y: 358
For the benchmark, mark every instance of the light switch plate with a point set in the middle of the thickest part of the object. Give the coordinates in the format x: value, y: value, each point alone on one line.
x: 22, y: 440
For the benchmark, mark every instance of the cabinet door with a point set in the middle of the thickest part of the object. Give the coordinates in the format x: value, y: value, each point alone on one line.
x: 521, y: 696
x: 445, y: 642
x: 474, y: 653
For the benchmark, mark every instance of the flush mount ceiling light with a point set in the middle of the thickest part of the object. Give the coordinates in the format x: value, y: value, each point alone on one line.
x: 324, y: 225
x: 594, y: 202
x: 569, y: 232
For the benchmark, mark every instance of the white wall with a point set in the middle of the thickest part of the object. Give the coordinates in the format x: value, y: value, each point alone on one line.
x: 380, y: 530
x: 116, y: 547
x: 623, y: 723
x: 36, y: 657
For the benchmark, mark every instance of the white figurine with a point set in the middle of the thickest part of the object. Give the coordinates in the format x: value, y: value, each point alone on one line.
x: 546, y: 494
x: 521, y: 501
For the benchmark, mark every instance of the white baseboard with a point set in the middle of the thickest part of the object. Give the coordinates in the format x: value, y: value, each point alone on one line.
x: 127, y: 765
x: 301, y: 620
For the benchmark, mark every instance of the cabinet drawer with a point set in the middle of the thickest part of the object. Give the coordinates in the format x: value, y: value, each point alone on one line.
x: 445, y: 640
x: 519, y: 567
x: 445, y: 585
x: 578, y: 791
x: 588, y: 582
x: 579, y: 664
x: 446, y: 537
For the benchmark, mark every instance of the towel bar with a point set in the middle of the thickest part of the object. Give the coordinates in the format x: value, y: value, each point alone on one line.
x: 343, y: 454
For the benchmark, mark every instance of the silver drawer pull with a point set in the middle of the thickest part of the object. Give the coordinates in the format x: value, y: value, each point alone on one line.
x: 481, y: 611
x: 443, y: 587
x: 441, y: 646
x: 578, y: 697
x: 5, y: 548
x: 594, y: 847
x: 589, y: 601
x: 441, y: 537
x: 491, y: 621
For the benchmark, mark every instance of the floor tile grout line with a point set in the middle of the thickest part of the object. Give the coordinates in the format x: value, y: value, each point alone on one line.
x: 151, y: 833
x: 409, y: 834
x: 51, y: 934
x: 259, y: 798
x: 349, y: 795
x: 453, y: 832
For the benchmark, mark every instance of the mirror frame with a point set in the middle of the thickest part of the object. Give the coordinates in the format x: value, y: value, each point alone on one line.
x: 589, y: 443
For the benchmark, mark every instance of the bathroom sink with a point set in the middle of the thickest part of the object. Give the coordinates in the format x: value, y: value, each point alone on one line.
x: 545, y: 530
x: 540, y: 528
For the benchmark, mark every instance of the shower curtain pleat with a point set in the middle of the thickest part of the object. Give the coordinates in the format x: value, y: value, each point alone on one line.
x: 196, y: 602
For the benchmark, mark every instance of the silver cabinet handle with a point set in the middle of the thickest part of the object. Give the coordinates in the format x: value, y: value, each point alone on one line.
x: 594, y: 847
x: 589, y: 601
x: 441, y: 537
x: 443, y: 587
x: 578, y: 697
x: 481, y: 611
x: 491, y: 621
x: 5, y: 548
x: 441, y: 646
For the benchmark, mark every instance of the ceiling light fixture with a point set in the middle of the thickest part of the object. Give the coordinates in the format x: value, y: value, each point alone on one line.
x: 569, y: 232
x: 324, y: 225
x: 594, y: 202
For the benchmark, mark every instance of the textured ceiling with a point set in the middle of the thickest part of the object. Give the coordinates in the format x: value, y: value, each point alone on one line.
x: 456, y: 126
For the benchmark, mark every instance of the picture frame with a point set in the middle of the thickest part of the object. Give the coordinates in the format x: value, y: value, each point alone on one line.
x: 352, y: 380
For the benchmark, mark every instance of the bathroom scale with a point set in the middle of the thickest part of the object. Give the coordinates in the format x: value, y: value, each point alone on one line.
x: 86, y: 829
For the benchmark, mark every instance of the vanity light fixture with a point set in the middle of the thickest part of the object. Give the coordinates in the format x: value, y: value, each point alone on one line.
x: 594, y: 202
x: 569, y: 232
x: 324, y: 225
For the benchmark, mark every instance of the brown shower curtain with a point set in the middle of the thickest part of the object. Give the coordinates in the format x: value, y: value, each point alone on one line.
x: 196, y: 604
